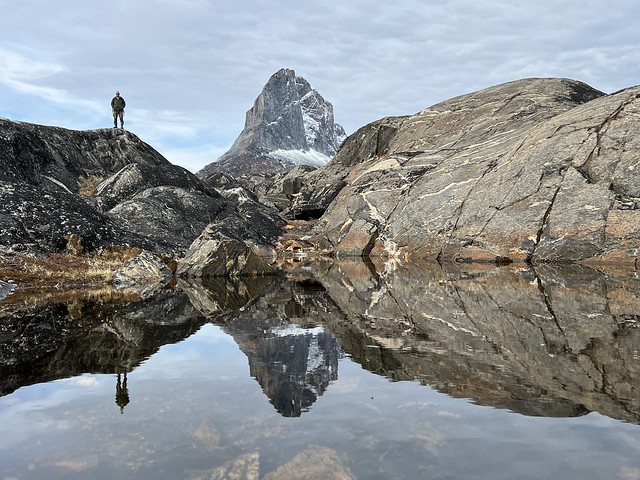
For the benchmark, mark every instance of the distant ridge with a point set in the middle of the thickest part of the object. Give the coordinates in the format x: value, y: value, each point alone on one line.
x: 289, y: 124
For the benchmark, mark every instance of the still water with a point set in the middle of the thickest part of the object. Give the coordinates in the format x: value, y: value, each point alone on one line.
x: 336, y: 370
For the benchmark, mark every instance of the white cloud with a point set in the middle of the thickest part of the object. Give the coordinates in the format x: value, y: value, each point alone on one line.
x: 29, y: 75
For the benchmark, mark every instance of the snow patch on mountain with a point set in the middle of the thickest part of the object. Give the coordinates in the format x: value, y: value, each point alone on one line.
x: 300, y: 157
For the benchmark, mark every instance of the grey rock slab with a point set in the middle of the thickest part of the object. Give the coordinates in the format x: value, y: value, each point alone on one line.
x: 143, y: 269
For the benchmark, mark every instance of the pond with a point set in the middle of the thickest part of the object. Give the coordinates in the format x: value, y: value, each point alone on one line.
x: 333, y: 370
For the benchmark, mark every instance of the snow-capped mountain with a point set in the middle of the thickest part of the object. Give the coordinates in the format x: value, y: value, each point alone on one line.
x: 289, y: 124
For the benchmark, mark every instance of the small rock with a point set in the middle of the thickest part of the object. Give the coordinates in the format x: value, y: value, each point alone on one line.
x: 143, y: 269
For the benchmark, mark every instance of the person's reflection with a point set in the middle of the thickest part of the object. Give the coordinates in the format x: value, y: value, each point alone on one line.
x: 122, y: 394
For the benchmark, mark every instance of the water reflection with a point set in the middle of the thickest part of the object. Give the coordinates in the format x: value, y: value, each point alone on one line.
x: 122, y: 392
x: 549, y: 342
x: 545, y: 342
x: 43, y: 342
x: 290, y: 354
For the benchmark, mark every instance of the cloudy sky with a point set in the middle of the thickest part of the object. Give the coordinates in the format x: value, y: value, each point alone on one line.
x: 190, y: 69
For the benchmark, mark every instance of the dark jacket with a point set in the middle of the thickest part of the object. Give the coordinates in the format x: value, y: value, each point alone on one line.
x: 118, y: 103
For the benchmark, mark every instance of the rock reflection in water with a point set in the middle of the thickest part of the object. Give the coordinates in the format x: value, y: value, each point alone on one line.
x: 81, y: 334
x: 293, y: 366
x: 547, y: 341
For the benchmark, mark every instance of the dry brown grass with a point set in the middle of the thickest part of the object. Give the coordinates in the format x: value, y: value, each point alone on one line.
x: 63, y: 270
x: 87, y: 186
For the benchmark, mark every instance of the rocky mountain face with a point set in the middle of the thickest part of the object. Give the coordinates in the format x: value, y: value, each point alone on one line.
x: 540, y: 170
x: 103, y: 188
x: 289, y: 124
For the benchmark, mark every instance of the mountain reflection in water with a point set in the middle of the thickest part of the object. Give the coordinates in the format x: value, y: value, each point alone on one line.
x: 544, y: 342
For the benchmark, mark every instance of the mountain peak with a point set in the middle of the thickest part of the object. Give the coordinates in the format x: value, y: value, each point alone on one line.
x: 289, y: 124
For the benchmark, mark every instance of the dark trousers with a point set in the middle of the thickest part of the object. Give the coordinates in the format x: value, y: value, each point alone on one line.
x: 118, y: 114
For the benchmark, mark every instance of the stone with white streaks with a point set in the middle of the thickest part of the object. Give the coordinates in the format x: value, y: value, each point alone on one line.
x: 533, y: 170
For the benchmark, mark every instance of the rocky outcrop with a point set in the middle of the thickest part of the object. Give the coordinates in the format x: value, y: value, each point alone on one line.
x: 536, y: 170
x: 274, y: 191
x: 5, y: 289
x: 145, y: 268
x: 80, y: 191
x: 540, y: 170
x: 289, y: 124
x: 239, y: 242
x: 102, y: 187
x: 169, y: 217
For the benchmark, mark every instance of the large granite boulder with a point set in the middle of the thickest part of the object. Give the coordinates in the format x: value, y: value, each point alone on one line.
x: 44, y: 217
x: 533, y: 170
x: 169, y: 217
x: 137, y: 177
x: 145, y: 272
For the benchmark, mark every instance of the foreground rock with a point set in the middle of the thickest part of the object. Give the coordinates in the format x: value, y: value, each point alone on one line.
x: 535, y: 170
x: 64, y: 190
x: 5, y: 289
x: 143, y: 269
x: 227, y: 248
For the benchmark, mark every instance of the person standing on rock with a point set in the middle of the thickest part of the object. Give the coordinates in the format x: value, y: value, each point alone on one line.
x: 117, y: 105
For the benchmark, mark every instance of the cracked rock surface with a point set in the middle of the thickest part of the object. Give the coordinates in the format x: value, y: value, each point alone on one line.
x: 533, y: 170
